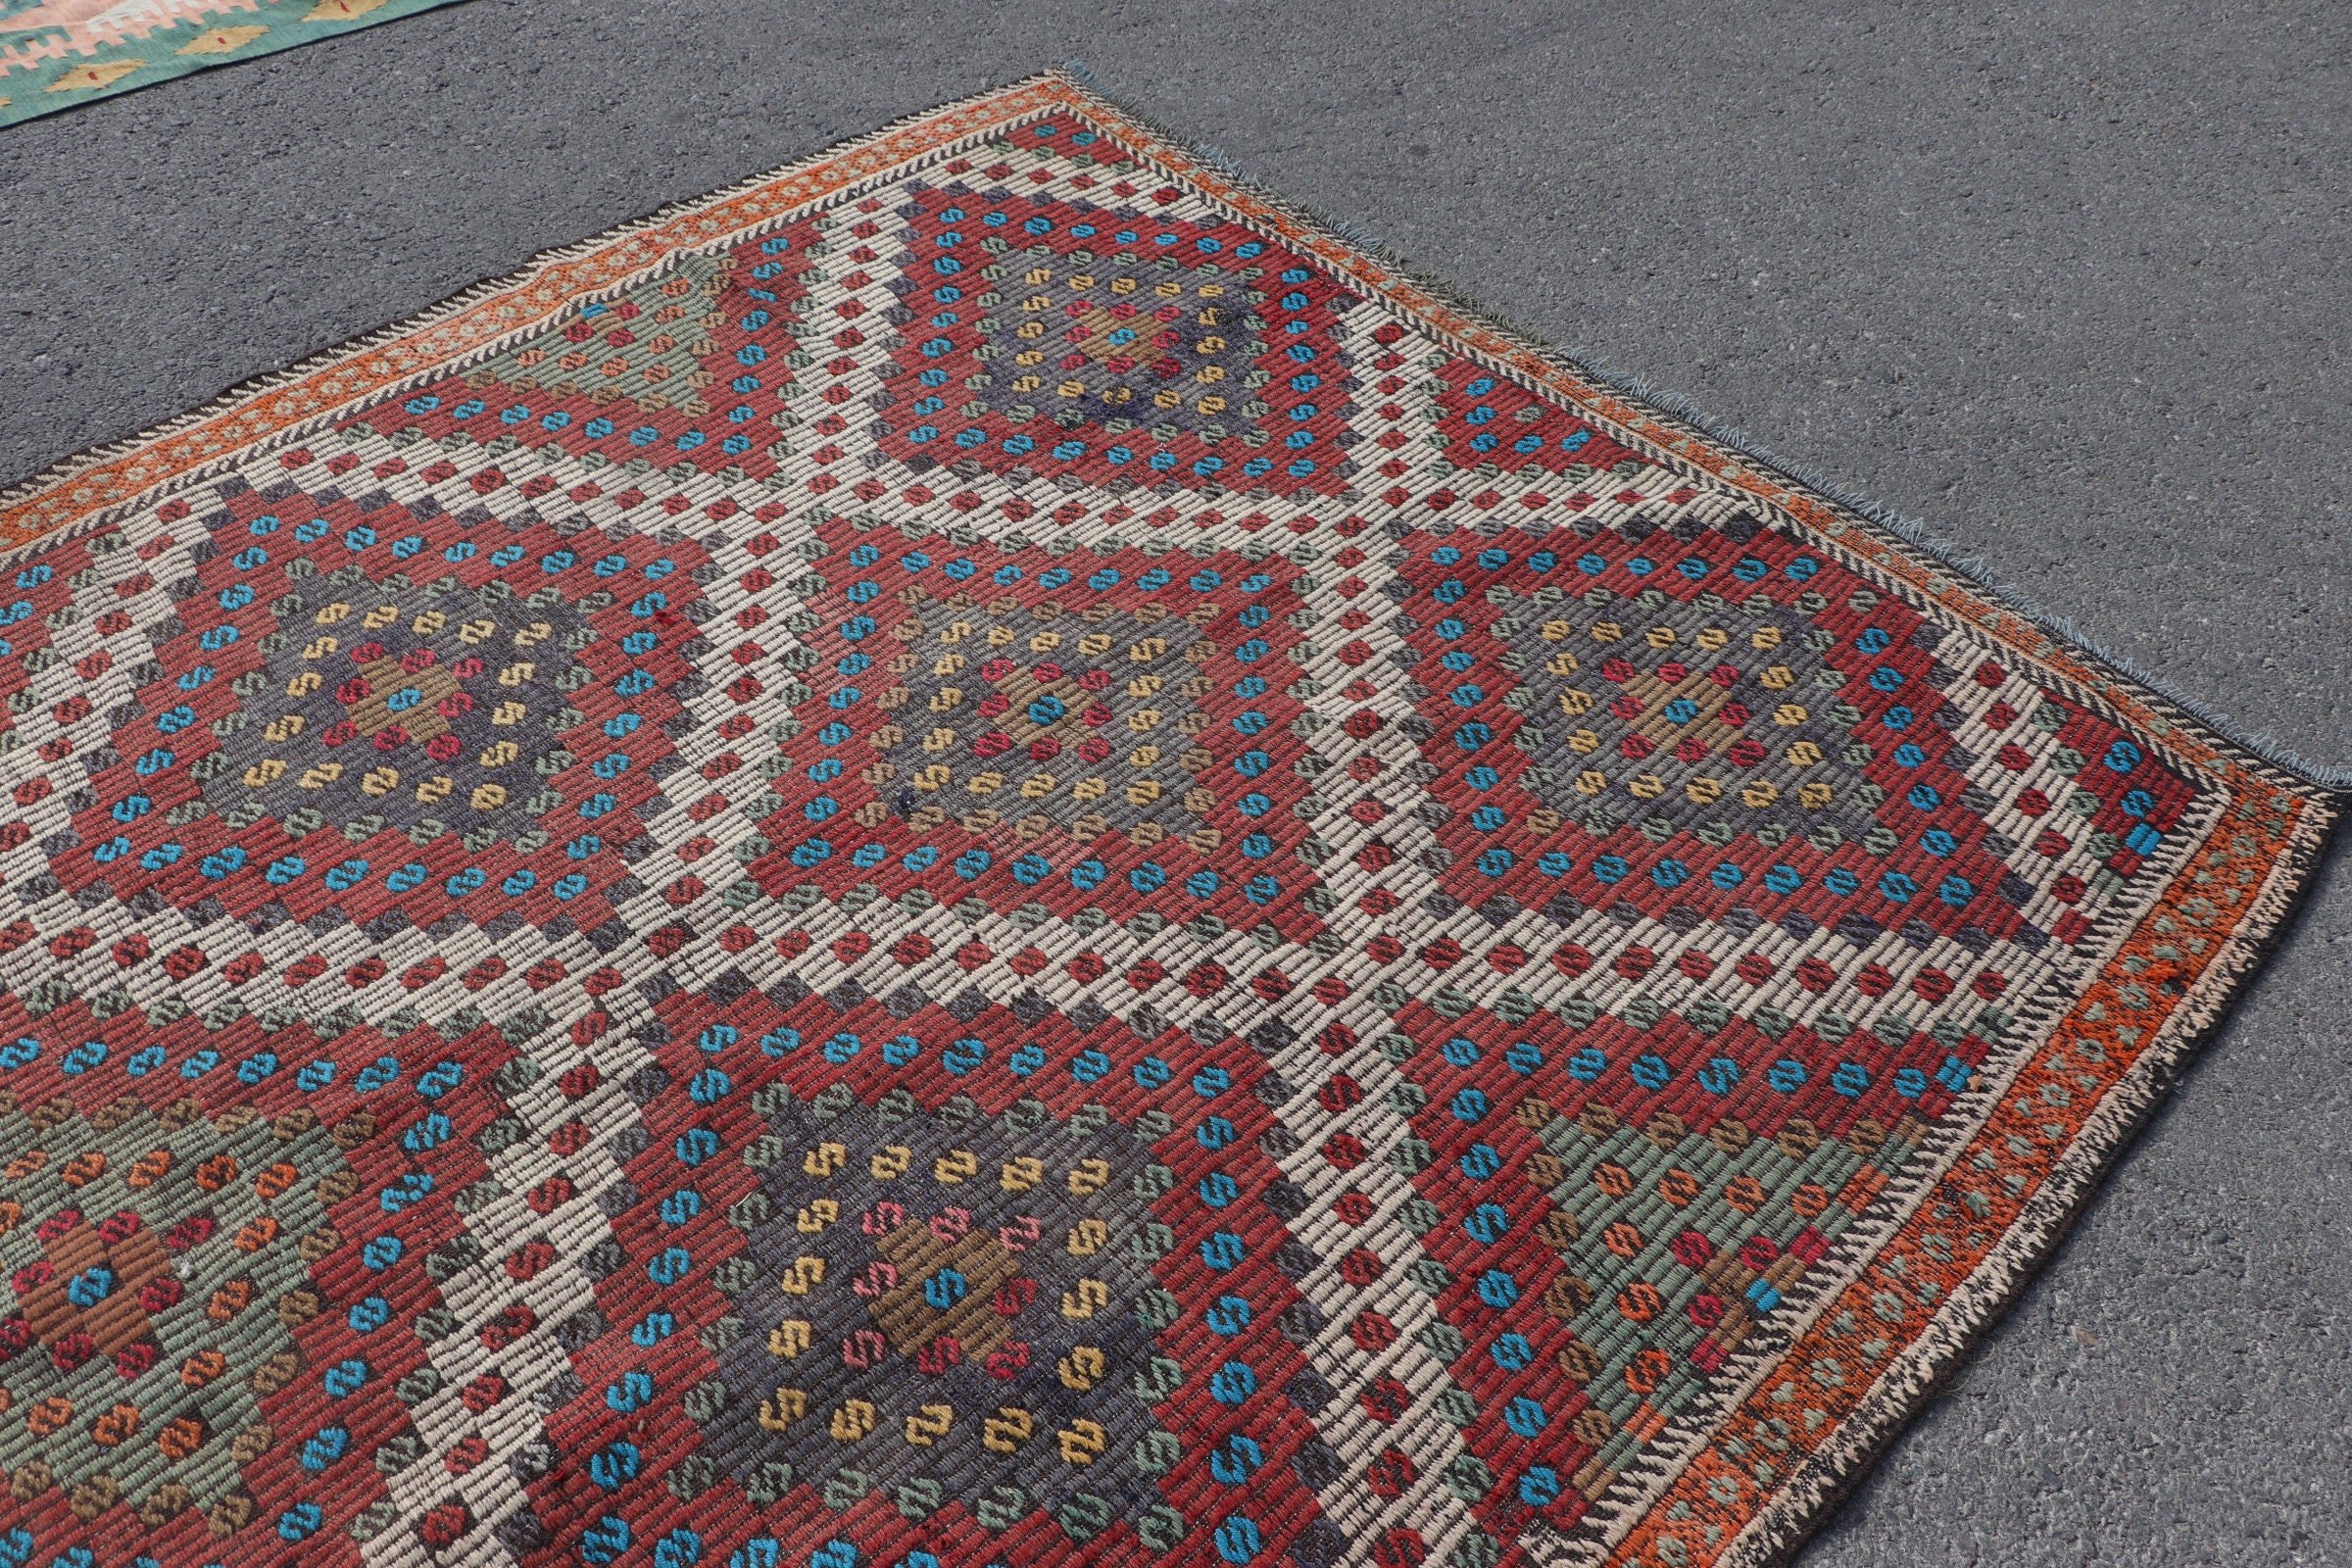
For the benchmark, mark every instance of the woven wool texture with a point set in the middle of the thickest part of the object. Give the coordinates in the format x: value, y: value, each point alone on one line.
x: 985, y: 853
x: 56, y: 54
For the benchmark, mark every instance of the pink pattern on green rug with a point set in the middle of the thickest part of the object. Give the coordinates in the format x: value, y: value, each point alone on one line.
x: 54, y: 54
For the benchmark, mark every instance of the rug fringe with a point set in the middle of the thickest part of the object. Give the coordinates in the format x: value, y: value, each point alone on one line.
x: 2332, y: 777
x: 1777, y: 1533
x: 2265, y: 920
x: 1968, y: 564
x: 22, y: 490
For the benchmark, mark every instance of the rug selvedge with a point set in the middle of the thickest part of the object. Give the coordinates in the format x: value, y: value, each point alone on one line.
x: 1296, y: 1141
x: 58, y: 54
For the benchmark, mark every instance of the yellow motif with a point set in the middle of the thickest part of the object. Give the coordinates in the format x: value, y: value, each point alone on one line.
x: 1082, y: 1442
x: 89, y: 78
x: 1006, y: 1430
x: 782, y: 1409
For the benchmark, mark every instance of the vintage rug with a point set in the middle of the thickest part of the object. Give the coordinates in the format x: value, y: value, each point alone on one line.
x: 988, y: 855
x: 54, y: 54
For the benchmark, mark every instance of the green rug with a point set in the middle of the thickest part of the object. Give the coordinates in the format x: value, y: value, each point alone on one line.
x: 56, y: 54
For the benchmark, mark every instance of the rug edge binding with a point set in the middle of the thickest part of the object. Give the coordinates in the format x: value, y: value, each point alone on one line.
x: 1910, y: 535
x: 1775, y: 1532
x: 1801, y: 1505
x: 1896, y: 530
x: 65, y: 470
x: 1984, y: 1299
x: 201, y: 68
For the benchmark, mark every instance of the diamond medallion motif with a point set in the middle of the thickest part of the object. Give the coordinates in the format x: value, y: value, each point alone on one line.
x: 988, y: 855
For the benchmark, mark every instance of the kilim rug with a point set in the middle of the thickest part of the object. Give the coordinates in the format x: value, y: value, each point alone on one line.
x: 987, y: 854
x: 54, y: 54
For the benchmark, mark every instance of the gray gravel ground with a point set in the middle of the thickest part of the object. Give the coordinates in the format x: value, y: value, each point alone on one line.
x: 2069, y: 282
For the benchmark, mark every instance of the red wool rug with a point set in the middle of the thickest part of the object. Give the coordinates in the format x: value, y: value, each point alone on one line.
x: 987, y: 854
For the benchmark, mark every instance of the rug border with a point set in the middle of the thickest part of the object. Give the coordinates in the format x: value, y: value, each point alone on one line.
x: 1939, y: 564
x: 1905, y: 537
x: 1797, y: 1502
x: 47, y: 487
x: 1805, y: 1498
x: 197, y: 66
x: 1800, y: 1501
